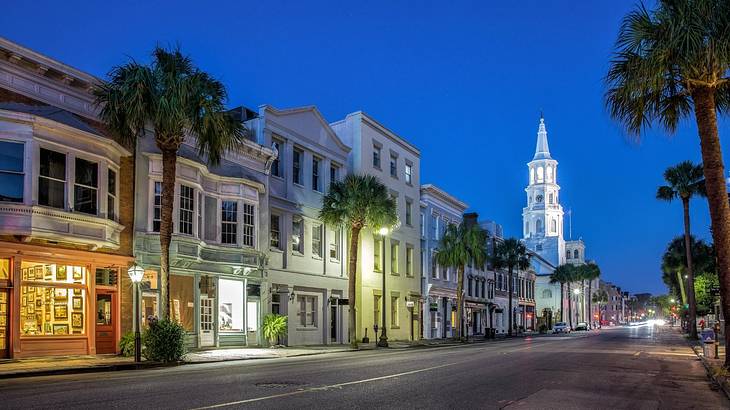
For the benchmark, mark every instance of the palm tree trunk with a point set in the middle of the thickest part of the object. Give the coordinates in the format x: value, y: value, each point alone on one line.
x: 562, y: 303
x: 590, y: 304
x: 169, y: 165
x: 509, y: 319
x: 706, y: 117
x: 690, y: 275
x: 681, y: 287
x: 459, y: 300
x: 352, y: 285
x: 570, y: 307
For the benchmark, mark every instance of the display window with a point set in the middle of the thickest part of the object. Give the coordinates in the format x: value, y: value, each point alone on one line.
x: 230, y: 306
x: 4, y: 269
x: 52, y: 299
x: 182, y: 297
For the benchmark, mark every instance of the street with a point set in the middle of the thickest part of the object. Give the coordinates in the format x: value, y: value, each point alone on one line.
x: 616, y: 368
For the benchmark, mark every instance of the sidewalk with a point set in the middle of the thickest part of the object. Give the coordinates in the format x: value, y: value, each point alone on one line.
x: 713, y: 366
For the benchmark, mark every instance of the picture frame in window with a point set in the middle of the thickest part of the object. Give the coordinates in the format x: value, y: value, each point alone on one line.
x: 38, y: 303
x: 61, y: 273
x: 24, y: 273
x: 31, y: 274
x: 22, y: 311
x: 31, y: 289
x: 78, y: 292
x: 47, y: 273
x: 77, y: 303
x: 30, y: 309
x: 24, y: 301
x: 48, y: 316
x: 77, y: 273
x: 60, y: 294
x: 38, y: 272
x: 60, y: 312
x: 3, y: 321
x: 77, y: 320
x: 60, y: 329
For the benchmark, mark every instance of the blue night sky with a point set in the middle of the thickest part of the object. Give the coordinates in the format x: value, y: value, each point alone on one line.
x: 465, y: 83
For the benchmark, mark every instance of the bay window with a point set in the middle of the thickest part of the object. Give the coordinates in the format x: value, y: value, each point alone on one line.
x: 187, y: 207
x: 11, y: 171
x: 249, y: 225
x: 52, y: 179
x: 229, y: 222
x: 111, y: 196
x: 86, y: 186
x: 157, y: 207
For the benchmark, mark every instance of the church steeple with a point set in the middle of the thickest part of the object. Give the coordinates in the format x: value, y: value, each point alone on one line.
x: 542, y: 151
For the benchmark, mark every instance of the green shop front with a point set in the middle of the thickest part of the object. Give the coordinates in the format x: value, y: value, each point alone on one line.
x: 214, y: 291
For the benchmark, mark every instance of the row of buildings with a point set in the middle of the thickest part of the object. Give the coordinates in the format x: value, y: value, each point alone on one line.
x: 77, y: 208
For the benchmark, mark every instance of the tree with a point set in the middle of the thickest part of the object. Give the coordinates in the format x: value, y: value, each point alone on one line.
x: 511, y: 254
x: 177, y: 101
x: 601, y: 299
x: 590, y: 272
x: 460, y: 246
x: 671, y: 62
x: 684, y: 181
x: 565, y: 274
x: 355, y: 203
x: 704, y: 285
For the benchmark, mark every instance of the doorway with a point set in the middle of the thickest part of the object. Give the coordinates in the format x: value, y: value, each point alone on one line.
x: 4, y: 320
x: 104, y: 323
x: 207, y: 336
x: 333, y: 324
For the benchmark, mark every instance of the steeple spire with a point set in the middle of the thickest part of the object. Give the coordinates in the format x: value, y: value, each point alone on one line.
x: 542, y: 151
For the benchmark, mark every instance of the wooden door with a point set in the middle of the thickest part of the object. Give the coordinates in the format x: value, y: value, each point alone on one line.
x: 104, y: 322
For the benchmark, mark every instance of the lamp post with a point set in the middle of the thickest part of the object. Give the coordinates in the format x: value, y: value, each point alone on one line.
x: 576, y: 292
x: 383, y: 341
x: 136, y: 273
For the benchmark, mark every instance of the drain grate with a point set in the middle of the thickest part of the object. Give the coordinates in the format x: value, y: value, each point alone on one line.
x: 279, y: 384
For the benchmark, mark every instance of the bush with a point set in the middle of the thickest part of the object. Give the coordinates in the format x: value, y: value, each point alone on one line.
x: 543, y: 329
x: 273, y: 327
x: 164, y: 341
x: 126, y: 344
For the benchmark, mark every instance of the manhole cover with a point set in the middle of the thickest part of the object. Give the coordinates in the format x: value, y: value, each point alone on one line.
x: 278, y: 385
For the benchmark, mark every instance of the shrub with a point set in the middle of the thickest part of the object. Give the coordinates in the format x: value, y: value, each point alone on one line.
x: 543, y: 328
x: 273, y: 327
x: 164, y: 341
x: 126, y: 344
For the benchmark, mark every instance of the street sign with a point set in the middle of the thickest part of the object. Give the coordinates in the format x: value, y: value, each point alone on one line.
x: 410, y: 304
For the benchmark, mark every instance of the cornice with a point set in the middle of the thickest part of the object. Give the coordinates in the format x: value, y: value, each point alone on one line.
x: 443, y: 196
x: 365, y: 118
x: 307, y: 108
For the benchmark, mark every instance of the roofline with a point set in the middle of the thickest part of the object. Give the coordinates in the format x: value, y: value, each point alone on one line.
x: 438, y: 192
x: 48, y: 62
x: 308, y: 108
x: 385, y: 130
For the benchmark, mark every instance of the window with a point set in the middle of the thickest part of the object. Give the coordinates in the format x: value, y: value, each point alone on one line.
x: 576, y: 255
x: 111, y: 196
x: 434, y: 227
x: 394, y: 322
x: 423, y: 225
x: 315, y: 174
x: 409, y: 212
x: 182, y: 300
x: 200, y: 215
x: 567, y: 254
x: 335, y: 245
x: 393, y: 166
x: 469, y: 287
x: 540, y: 173
x: 229, y: 222
x: 157, y: 207
x: 317, y: 240
x: 499, y: 281
x: 86, y: 186
x: 538, y: 226
x: 394, y: 251
x: 297, y: 234
x: 276, y: 165
x: 532, y: 175
x: 376, y: 157
x: 11, y: 171
x: 52, y: 179
x: 297, y: 167
x: 409, y: 261
x: 434, y: 266
x: 187, y: 206
x: 333, y: 173
x: 377, y: 254
x: 275, y: 232
x: 551, y: 197
x: 409, y: 174
x: 230, y: 306
x: 553, y: 226
x: 307, y: 311
x: 445, y: 272
x: 249, y: 225
x: 483, y: 289
x: 376, y: 310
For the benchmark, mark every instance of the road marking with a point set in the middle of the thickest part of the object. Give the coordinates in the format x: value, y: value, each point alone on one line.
x: 331, y: 386
x: 637, y: 353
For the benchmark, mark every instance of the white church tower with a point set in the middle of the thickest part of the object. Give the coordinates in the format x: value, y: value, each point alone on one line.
x: 543, y: 216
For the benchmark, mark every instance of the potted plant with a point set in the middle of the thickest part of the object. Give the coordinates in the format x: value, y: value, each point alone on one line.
x: 273, y: 327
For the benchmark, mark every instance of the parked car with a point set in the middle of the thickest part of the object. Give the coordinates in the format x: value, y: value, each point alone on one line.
x: 581, y: 326
x: 561, y: 327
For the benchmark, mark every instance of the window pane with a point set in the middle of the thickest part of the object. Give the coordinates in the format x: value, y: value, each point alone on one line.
x: 186, y: 210
x: 11, y: 156
x: 53, y: 164
x: 86, y: 173
x: 275, y: 232
x: 52, y: 311
x: 11, y: 187
x: 317, y: 240
x: 229, y: 221
x: 249, y: 225
x: 231, y: 305
x: 85, y: 200
x: 297, y: 234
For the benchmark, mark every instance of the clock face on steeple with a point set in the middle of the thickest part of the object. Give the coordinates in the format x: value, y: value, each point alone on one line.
x: 539, y: 199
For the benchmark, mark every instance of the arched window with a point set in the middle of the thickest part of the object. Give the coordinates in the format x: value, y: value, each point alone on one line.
x: 567, y: 254
x: 532, y: 175
x: 527, y: 228
x: 547, y: 294
x: 540, y: 174
x: 550, y: 174
x: 538, y: 226
x: 550, y: 198
x: 576, y: 255
x: 553, y: 226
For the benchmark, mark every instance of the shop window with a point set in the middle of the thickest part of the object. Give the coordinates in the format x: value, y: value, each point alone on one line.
x: 249, y: 225
x: 157, y: 207
x: 252, y: 316
x: 307, y: 311
x: 317, y: 240
x: 182, y: 300
x: 229, y: 222
x: 297, y: 234
x: 4, y: 269
x: 11, y: 171
x: 53, y: 299
x: 52, y: 179
x: 275, y: 232
x: 86, y: 186
x: 230, y: 308
x: 111, y: 197
x: 187, y: 206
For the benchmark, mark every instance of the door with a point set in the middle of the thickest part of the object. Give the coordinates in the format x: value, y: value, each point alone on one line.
x: 333, y: 324
x: 207, y: 337
x: 104, y: 328
x: 4, y: 323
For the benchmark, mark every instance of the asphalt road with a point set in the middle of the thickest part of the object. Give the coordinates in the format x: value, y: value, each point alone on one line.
x: 620, y: 368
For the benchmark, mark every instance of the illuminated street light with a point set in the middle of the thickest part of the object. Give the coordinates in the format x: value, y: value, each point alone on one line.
x: 576, y: 291
x: 136, y: 273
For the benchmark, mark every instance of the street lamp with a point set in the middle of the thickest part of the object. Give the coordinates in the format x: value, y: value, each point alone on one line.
x: 136, y: 273
x: 383, y: 341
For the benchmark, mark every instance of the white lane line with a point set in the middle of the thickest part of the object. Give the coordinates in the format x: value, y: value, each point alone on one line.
x: 331, y: 386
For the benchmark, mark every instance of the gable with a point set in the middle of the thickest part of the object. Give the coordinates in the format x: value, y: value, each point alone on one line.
x: 307, y: 125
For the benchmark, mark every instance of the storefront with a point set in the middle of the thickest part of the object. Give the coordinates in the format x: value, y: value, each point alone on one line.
x: 58, y: 302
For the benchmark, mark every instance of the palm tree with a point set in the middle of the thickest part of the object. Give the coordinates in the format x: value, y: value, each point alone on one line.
x: 684, y: 181
x: 600, y: 298
x: 355, y: 203
x: 671, y: 62
x: 564, y: 274
x: 590, y: 272
x: 459, y: 246
x: 511, y: 254
x: 177, y: 101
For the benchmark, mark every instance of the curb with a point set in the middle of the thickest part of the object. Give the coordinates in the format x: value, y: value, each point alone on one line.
x: 85, y: 369
x: 723, y: 382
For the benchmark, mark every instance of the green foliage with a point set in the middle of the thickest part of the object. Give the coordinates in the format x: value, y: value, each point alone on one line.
x: 510, y: 254
x: 600, y: 297
x: 359, y: 201
x: 704, y: 284
x: 674, y: 262
x: 684, y: 181
x: 164, y: 341
x: 566, y: 273
x: 274, y: 326
x: 126, y: 344
x: 461, y: 245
